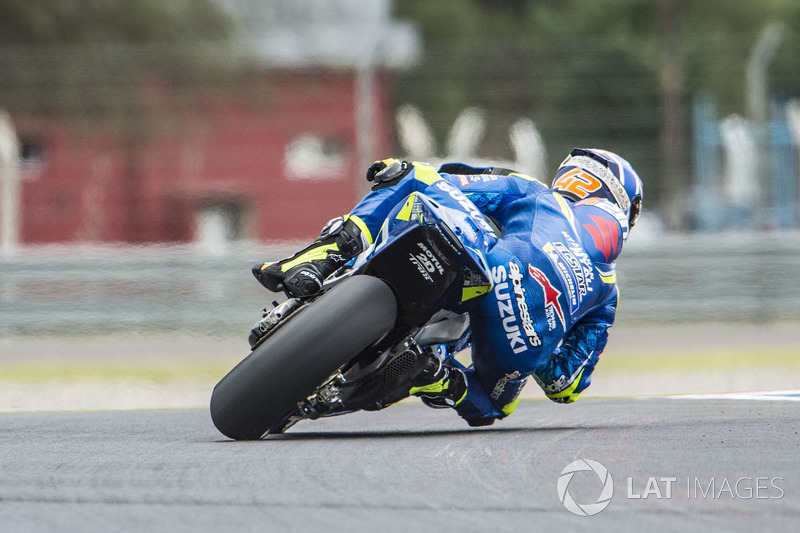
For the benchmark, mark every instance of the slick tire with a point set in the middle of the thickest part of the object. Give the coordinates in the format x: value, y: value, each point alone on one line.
x: 262, y: 390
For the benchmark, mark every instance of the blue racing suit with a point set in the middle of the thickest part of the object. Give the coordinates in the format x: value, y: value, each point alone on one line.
x: 554, y: 294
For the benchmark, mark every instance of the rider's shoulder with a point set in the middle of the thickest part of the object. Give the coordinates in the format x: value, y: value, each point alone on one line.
x: 598, y: 206
x: 462, y: 169
x: 603, y: 226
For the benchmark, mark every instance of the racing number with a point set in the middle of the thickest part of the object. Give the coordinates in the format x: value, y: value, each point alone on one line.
x: 578, y: 182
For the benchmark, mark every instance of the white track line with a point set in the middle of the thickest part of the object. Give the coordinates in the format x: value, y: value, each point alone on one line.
x: 778, y: 395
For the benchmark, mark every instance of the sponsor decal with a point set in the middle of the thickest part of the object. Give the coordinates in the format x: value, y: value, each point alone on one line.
x: 426, y: 262
x: 574, y: 267
x: 503, y: 293
x: 565, y: 272
x: 552, y: 307
x: 312, y: 276
x: 466, y: 204
x: 581, y: 255
x: 464, y: 181
x: 500, y: 386
x: 516, y: 277
x: 557, y: 385
x: 430, y: 257
x: 610, y: 208
x: 605, y: 236
x: 485, y: 178
x: 423, y: 270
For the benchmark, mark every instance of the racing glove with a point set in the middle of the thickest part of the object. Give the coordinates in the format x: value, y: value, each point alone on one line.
x: 387, y: 172
x: 568, y: 372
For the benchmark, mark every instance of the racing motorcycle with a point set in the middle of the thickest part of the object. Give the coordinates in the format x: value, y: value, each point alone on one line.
x: 386, y: 321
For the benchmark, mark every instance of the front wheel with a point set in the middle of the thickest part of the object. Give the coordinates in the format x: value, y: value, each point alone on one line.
x: 263, y: 389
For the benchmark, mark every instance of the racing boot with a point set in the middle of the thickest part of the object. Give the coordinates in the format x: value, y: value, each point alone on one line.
x: 446, y: 388
x: 303, y: 273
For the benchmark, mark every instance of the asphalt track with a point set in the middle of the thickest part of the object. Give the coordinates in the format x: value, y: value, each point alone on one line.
x: 408, y: 468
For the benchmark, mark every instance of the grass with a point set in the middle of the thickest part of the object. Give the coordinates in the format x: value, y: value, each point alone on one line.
x: 783, y: 358
x: 159, y: 370
x: 208, y: 369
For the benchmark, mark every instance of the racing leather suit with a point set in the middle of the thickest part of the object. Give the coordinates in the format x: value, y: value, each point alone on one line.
x: 554, y: 291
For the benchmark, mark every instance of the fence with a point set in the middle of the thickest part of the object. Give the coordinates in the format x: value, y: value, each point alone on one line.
x: 753, y: 278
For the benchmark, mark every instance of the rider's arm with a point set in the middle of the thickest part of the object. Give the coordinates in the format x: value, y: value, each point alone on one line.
x: 569, y: 370
x: 389, y: 190
x: 490, y: 189
x: 394, y: 180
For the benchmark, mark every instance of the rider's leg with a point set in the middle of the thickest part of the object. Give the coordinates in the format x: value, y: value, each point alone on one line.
x: 303, y: 273
x: 465, y: 391
x: 446, y: 388
x: 491, y: 395
x: 489, y: 389
x: 504, y: 348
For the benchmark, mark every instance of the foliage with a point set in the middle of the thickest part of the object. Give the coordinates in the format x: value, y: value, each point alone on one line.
x: 110, y: 21
x: 82, y: 58
x: 587, y: 71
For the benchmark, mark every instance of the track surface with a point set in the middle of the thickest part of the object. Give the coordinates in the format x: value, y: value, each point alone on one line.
x: 404, y: 469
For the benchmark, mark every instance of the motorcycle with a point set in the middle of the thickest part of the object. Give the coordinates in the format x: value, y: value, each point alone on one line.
x: 385, y: 322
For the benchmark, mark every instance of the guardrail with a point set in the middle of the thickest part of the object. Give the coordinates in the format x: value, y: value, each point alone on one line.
x: 752, y: 277
x: 748, y: 277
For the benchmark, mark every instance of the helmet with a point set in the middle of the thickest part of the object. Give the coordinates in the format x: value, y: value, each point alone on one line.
x: 592, y: 173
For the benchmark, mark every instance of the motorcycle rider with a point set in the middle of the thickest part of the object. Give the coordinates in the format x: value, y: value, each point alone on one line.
x: 553, y: 267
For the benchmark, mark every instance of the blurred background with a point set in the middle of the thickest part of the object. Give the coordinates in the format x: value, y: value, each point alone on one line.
x: 151, y: 152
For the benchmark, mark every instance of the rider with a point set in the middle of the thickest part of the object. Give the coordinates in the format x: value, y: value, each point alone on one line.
x: 554, y: 293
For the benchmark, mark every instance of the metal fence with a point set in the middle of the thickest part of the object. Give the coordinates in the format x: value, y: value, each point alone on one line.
x: 753, y: 277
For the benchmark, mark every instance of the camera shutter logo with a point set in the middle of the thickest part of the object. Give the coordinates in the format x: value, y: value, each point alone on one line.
x: 585, y: 509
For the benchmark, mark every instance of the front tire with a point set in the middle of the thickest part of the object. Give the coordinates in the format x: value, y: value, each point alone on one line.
x: 262, y: 390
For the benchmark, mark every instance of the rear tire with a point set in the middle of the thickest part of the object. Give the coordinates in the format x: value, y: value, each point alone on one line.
x: 261, y: 391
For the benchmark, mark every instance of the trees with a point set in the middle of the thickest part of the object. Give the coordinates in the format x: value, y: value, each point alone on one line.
x: 71, y: 56
x: 27, y: 22
x: 89, y: 66
x: 596, y: 72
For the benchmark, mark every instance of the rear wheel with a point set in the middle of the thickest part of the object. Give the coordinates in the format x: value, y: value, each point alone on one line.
x: 262, y: 390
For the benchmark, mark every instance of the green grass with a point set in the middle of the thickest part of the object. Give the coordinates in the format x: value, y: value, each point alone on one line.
x: 783, y: 358
x: 148, y: 369
x: 212, y: 369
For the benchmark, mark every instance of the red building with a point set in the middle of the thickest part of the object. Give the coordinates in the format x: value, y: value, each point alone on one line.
x: 275, y: 163
x: 267, y: 152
